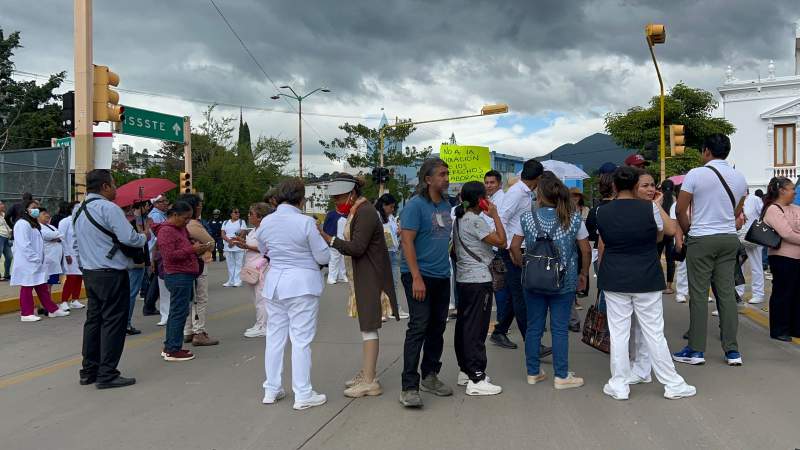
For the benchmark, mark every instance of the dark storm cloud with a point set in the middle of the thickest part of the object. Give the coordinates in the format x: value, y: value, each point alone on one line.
x: 184, y: 48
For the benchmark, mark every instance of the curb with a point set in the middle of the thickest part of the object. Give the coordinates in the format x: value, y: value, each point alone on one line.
x: 762, y: 319
x: 11, y: 304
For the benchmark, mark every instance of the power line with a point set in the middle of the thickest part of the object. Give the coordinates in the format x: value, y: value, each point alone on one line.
x: 205, y: 101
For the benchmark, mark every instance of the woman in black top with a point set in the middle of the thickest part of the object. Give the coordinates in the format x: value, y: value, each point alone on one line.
x: 632, y: 280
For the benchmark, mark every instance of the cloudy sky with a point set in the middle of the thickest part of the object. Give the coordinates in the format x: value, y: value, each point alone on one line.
x: 559, y: 64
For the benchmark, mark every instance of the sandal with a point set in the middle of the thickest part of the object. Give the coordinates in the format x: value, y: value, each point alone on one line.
x: 669, y: 291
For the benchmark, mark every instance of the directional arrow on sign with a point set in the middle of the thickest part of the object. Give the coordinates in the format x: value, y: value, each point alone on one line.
x: 176, y: 129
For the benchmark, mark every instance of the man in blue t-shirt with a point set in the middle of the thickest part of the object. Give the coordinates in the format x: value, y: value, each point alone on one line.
x: 425, y: 233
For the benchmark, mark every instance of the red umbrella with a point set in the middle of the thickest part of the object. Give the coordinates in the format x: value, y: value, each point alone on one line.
x: 141, y: 190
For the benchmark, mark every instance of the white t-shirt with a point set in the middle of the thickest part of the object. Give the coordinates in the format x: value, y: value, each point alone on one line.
x: 712, y: 212
x: 231, y: 229
x: 657, y: 216
x: 473, y: 230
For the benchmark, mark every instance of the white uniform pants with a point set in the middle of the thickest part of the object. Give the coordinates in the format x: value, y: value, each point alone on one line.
x: 647, y: 309
x: 261, y: 305
x: 336, y: 269
x: 682, y: 279
x: 163, y: 300
x: 234, y: 261
x: 295, y: 318
x: 756, y: 269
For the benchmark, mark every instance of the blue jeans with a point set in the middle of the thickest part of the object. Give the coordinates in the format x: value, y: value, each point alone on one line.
x: 181, y: 291
x: 560, y: 306
x: 5, y: 249
x: 135, y: 276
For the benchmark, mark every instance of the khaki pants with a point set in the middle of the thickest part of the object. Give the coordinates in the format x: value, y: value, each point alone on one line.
x: 712, y: 258
x: 196, y: 321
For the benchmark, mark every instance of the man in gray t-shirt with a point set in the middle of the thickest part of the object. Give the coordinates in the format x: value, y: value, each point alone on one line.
x: 472, y: 230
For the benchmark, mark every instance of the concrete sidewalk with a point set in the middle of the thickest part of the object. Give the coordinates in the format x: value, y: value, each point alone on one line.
x: 9, y: 296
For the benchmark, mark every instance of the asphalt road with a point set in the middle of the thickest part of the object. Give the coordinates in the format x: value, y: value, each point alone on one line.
x: 214, y: 402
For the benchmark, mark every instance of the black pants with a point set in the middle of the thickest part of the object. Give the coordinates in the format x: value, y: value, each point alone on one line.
x: 514, y: 289
x: 784, y: 307
x: 108, y: 293
x: 472, y: 324
x: 425, y: 333
x: 667, y: 246
x: 217, y: 250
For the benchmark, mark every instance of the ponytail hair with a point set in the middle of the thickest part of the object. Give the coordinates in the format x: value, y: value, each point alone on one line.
x: 471, y: 193
x: 774, y: 191
x: 554, y: 192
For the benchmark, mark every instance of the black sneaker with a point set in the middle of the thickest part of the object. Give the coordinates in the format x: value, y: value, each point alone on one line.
x: 411, y: 399
x: 575, y: 327
x: 545, y: 351
x: 116, y: 383
x: 502, y: 340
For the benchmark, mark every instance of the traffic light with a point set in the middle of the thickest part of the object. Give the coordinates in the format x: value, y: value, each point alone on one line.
x: 68, y: 111
x: 677, y: 140
x: 106, y: 107
x: 380, y: 174
x: 185, y: 182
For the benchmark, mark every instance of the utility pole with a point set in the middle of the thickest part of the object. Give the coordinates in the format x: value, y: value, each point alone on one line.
x: 300, y: 131
x: 84, y: 72
x: 187, y: 146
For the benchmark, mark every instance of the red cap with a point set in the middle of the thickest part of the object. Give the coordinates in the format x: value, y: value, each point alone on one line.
x: 636, y: 160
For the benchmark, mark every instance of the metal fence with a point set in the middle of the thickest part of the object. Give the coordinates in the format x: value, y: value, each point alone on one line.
x: 44, y: 172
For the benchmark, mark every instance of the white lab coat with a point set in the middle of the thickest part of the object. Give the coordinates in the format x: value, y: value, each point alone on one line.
x: 53, y: 249
x: 65, y: 228
x: 29, y: 266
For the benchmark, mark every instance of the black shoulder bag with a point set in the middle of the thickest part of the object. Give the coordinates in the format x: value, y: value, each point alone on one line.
x: 762, y: 234
x: 543, y: 270
x: 135, y: 253
x: 497, y: 267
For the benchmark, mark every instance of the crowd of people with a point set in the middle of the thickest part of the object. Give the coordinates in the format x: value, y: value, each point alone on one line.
x: 529, y: 251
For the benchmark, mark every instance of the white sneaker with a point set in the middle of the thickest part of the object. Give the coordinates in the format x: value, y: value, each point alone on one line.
x: 463, y: 379
x: 64, y: 306
x: 314, y: 400
x: 684, y: 390
x: 710, y: 299
x: 715, y: 313
x: 31, y: 318
x: 161, y: 324
x: 227, y: 284
x: 680, y: 298
x: 255, y: 333
x: 58, y: 313
x: 571, y: 381
x: 272, y: 397
x: 613, y: 394
x: 402, y: 314
x: 756, y: 300
x: 483, y: 387
x: 237, y: 284
x: 76, y: 305
x: 636, y: 379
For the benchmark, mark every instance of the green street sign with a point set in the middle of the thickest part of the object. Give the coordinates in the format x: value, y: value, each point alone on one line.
x: 151, y: 124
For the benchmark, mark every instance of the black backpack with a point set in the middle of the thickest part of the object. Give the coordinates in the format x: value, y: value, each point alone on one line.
x: 543, y: 270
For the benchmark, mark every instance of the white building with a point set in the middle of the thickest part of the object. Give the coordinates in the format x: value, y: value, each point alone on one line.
x: 766, y: 114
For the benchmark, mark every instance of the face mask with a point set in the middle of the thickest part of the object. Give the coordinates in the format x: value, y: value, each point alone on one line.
x: 34, y: 213
x: 344, y: 208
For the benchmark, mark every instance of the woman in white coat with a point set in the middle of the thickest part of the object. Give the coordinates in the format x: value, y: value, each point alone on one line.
x: 29, y: 271
x: 72, y: 286
x: 292, y: 289
x: 53, y: 250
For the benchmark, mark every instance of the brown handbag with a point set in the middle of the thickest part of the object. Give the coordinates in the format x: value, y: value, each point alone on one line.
x: 595, y: 328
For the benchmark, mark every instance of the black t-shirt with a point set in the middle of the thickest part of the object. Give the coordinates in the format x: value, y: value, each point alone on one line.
x: 630, y: 261
x: 591, y: 221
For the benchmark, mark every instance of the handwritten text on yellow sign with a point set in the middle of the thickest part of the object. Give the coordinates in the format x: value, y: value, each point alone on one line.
x: 466, y: 162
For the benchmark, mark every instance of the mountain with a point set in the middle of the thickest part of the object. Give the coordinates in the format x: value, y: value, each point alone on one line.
x: 590, y: 152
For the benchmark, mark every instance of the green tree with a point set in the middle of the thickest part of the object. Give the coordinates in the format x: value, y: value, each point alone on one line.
x: 29, y: 114
x: 638, y: 127
x: 243, y: 147
x: 359, y: 147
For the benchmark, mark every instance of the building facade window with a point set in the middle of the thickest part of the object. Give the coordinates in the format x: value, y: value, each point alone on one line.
x: 784, y: 144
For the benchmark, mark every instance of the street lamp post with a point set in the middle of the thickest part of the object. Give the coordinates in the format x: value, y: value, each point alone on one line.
x: 299, y: 98
x: 657, y: 34
x: 487, y: 110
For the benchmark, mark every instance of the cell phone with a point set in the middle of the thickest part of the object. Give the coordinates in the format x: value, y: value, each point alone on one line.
x: 483, y: 204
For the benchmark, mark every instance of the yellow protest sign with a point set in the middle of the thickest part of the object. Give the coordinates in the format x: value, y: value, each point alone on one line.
x: 466, y: 162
